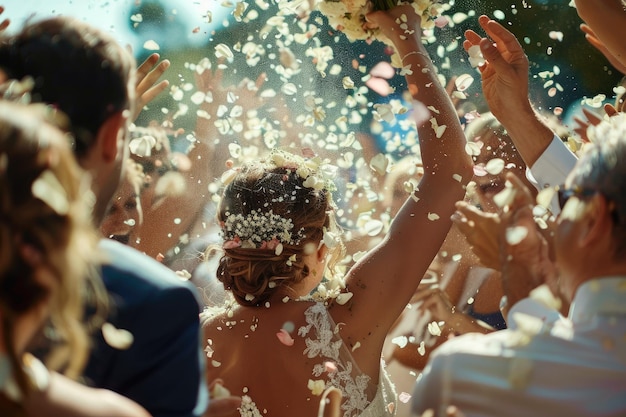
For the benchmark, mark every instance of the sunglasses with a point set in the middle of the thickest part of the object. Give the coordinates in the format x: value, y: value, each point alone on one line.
x: 565, y: 194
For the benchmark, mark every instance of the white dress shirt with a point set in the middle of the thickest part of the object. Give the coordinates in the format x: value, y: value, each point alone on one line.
x: 575, y: 366
x: 551, y: 168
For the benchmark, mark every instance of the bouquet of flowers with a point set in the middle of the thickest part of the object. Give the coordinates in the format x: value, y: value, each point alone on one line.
x: 348, y: 16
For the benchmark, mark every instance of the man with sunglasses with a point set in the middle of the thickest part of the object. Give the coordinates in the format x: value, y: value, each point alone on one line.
x: 546, y: 364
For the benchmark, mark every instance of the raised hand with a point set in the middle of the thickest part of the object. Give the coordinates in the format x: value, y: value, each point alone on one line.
x: 5, y: 23
x: 524, y: 250
x: 147, y: 87
x: 505, y: 87
x: 593, y: 39
x: 505, y: 72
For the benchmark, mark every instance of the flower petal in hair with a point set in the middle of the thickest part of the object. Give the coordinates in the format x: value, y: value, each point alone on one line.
x: 48, y: 189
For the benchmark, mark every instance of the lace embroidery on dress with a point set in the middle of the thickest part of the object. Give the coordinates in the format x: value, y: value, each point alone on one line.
x: 336, y: 360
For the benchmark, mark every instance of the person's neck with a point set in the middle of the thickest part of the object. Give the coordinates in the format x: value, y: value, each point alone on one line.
x: 99, y: 209
x: 598, y: 270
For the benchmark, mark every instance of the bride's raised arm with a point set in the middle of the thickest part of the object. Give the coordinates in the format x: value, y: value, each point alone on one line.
x: 385, y: 279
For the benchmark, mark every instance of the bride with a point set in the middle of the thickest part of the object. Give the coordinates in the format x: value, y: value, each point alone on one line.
x: 282, y: 343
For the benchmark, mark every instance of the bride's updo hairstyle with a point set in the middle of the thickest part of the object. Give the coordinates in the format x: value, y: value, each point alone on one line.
x: 272, y: 213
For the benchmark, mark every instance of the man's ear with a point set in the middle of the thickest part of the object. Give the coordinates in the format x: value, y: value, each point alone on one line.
x: 108, y: 136
x: 598, y: 222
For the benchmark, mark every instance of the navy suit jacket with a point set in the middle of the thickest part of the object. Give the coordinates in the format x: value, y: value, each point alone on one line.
x: 163, y: 370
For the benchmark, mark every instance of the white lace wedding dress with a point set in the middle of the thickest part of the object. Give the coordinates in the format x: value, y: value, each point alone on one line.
x: 323, y: 342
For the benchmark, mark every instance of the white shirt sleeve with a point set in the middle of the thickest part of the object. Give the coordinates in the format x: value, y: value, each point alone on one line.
x: 552, y: 167
x: 533, y: 308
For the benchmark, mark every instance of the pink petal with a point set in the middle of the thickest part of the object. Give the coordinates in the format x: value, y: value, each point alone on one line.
x: 421, y: 114
x: 284, y: 337
x: 232, y: 244
x: 379, y: 86
x: 441, y: 22
x: 383, y: 70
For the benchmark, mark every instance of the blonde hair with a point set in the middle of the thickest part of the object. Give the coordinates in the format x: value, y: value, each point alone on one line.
x: 44, y: 210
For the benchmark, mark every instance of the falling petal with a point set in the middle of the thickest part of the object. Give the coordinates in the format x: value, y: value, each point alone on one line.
x: 343, y: 298
x: 504, y: 197
x: 117, y: 338
x: 151, y: 45
x: 463, y: 82
x: 48, y: 189
x: 515, y: 235
x: 401, y: 341
x: 494, y: 166
x: 545, y: 196
x: 379, y: 85
x: 379, y: 164
x: 434, y: 329
x: 219, y: 391
x: 317, y: 387
x: 383, y: 70
x: 347, y: 82
x: 142, y: 146
x: 373, y: 227
x: 285, y: 338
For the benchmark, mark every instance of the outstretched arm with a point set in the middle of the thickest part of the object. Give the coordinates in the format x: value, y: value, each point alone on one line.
x: 67, y: 398
x: 384, y: 280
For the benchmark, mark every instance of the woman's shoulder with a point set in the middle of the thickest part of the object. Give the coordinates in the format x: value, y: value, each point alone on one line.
x: 229, y: 314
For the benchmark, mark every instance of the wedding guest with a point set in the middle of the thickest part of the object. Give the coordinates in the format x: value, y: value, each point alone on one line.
x: 87, y: 75
x: 505, y: 88
x: 604, y: 28
x: 47, y: 259
x: 125, y: 213
x: 574, y: 366
x: 280, y: 245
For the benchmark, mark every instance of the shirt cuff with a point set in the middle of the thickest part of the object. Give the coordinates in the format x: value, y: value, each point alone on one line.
x: 552, y: 167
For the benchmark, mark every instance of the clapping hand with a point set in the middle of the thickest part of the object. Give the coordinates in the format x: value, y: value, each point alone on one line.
x: 482, y: 231
x: 510, y: 240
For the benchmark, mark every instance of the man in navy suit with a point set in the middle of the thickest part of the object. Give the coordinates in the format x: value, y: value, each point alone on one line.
x: 87, y: 75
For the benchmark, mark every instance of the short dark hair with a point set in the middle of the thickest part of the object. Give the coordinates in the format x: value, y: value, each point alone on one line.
x: 76, y: 68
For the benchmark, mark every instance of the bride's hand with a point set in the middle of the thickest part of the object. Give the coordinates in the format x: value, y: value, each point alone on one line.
x: 400, y: 24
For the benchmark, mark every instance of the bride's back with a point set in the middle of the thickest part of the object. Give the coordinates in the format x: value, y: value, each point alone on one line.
x: 272, y: 354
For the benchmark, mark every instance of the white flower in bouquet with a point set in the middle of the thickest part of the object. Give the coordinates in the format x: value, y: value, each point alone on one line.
x: 348, y: 16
